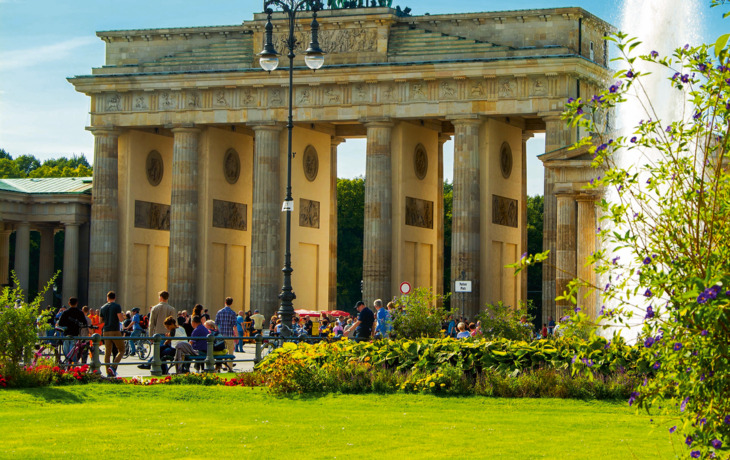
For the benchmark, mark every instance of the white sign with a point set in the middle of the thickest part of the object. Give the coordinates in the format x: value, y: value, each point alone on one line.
x: 405, y: 287
x: 462, y: 286
x: 288, y: 206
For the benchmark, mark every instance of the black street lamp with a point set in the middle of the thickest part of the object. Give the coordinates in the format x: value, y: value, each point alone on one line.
x: 269, y: 60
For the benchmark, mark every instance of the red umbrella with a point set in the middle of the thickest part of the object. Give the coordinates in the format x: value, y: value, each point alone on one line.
x: 337, y: 313
x: 303, y: 312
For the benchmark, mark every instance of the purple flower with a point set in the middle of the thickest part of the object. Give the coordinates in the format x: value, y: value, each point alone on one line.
x: 673, y: 429
x: 683, y: 406
x: 702, y: 67
x: 688, y: 440
x: 632, y: 398
x: 630, y: 74
x: 727, y: 420
x: 598, y: 99
x: 694, y: 453
x: 647, y: 293
x: 669, y: 129
x: 649, y: 342
x: 703, y: 333
x: 647, y: 260
x: 657, y: 365
x: 716, y: 443
x: 685, y: 78
x: 615, y: 260
x: 649, y: 312
x: 570, y: 99
x: 696, y: 116
x: 579, y: 111
x: 702, y: 421
x: 677, y: 346
x: 608, y: 344
x: 676, y: 75
x: 654, y: 54
x: 613, y: 89
x: 633, y: 140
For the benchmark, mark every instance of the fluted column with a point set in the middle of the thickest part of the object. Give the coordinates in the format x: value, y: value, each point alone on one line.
x: 586, y: 246
x: 5, y: 232
x: 183, y: 259
x: 566, y: 253
x: 557, y: 135
x: 523, y: 212
x: 45, y: 264
x: 465, y: 223
x: 22, y: 255
x: 378, y: 226
x: 70, y: 260
x: 266, y: 236
x: 440, y: 217
x: 104, y: 245
x: 332, y: 296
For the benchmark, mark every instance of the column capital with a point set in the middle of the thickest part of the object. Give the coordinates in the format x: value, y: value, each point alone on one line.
x: 185, y: 128
x: 377, y: 122
x: 551, y: 116
x: 336, y: 140
x: 110, y: 131
x: 527, y: 135
x: 465, y: 119
x: 584, y: 196
x: 443, y: 138
x: 266, y: 125
x: 68, y: 223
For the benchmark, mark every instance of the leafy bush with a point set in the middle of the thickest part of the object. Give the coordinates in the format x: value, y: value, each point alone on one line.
x: 503, y: 321
x: 45, y: 375
x: 418, y: 315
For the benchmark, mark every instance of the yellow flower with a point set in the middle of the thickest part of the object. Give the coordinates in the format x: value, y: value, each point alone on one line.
x: 443, y: 385
x: 433, y: 384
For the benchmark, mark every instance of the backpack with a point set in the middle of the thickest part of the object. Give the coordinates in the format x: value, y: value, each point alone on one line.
x: 144, y: 323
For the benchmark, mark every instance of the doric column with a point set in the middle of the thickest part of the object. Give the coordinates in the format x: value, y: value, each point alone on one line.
x: 566, y: 242
x: 70, y: 260
x: 523, y: 211
x: 465, y: 223
x: 5, y: 232
x: 557, y: 135
x: 22, y: 255
x: 378, y: 227
x: 266, y: 236
x: 586, y: 246
x: 332, y: 296
x: 183, y: 259
x: 104, y: 246
x: 45, y: 264
x: 442, y: 139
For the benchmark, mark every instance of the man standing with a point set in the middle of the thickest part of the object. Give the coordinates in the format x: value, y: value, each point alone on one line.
x: 136, y: 326
x: 73, y: 320
x: 158, y: 313
x: 363, y: 327
x: 111, y: 314
x: 258, y: 322
x: 225, y: 319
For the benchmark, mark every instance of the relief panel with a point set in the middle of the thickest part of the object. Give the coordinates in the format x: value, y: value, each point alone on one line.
x: 152, y: 216
x: 227, y: 214
x: 504, y: 211
x: 419, y: 213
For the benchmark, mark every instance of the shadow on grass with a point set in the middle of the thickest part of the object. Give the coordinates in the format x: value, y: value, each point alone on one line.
x: 54, y: 395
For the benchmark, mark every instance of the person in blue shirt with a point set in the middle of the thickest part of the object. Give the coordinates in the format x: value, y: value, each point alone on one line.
x: 136, y: 328
x: 382, y: 318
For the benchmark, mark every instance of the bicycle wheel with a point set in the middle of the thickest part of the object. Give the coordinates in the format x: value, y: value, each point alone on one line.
x: 143, y: 348
x: 127, y: 348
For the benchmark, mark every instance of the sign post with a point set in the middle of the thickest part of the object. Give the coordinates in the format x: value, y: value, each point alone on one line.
x: 405, y: 288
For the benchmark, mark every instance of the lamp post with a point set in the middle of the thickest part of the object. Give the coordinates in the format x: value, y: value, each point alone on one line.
x: 269, y: 61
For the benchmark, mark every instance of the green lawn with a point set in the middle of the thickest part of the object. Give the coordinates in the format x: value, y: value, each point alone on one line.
x: 124, y: 421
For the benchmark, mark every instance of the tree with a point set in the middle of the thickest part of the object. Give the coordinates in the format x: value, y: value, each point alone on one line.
x: 535, y: 206
x: 671, y: 212
x: 350, y: 224
x: 9, y: 169
x: 27, y: 163
x: 5, y: 155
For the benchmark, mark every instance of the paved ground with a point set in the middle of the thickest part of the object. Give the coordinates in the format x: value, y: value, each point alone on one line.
x: 128, y: 367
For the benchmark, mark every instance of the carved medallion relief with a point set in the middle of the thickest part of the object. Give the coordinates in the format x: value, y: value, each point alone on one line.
x: 310, y: 161
x: 227, y: 214
x: 308, y: 213
x: 419, y: 213
x: 231, y: 166
x: 152, y: 216
x: 505, y: 160
x: 155, y: 168
x: 504, y: 211
x: 113, y: 102
x: 168, y: 100
x: 420, y: 162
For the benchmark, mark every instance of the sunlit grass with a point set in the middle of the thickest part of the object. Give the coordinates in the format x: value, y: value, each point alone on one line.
x: 124, y: 421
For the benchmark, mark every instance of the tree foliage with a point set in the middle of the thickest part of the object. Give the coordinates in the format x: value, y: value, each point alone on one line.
x: 418, y: 315
x: 28, y: 166
x: 665, y: 236
x: 350, y: 222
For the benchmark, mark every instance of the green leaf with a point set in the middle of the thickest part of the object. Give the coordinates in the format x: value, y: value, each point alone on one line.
x: 721, y: 43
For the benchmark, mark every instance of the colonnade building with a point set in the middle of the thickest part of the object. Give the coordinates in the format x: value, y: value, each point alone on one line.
x: 190, y: 154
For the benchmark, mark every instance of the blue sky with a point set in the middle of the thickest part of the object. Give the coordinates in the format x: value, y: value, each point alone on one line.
x: 44, y: 41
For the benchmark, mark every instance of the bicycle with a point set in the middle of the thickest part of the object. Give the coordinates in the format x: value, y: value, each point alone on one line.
x: 142, y: 348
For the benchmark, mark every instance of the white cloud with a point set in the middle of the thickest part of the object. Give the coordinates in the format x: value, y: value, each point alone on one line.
x: 29, y: 57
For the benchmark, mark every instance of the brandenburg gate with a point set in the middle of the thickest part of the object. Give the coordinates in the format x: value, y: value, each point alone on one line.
x: 190, y: 154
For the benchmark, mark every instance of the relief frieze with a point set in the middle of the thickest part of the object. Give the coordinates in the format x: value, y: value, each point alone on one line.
x: 308, y: 213
x: 151, y: 216
x: 504, y: 211
x: 419, y: 213
x: 227, y: 214
x: 334, y: 40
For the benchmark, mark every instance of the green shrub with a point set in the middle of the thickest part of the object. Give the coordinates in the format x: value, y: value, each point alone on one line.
x: 418, y: 315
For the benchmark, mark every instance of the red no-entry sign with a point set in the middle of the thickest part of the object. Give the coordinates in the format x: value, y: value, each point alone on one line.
x: 405, y: 287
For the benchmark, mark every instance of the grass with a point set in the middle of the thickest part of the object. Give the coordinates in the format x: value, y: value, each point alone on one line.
x: 123, y: 421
